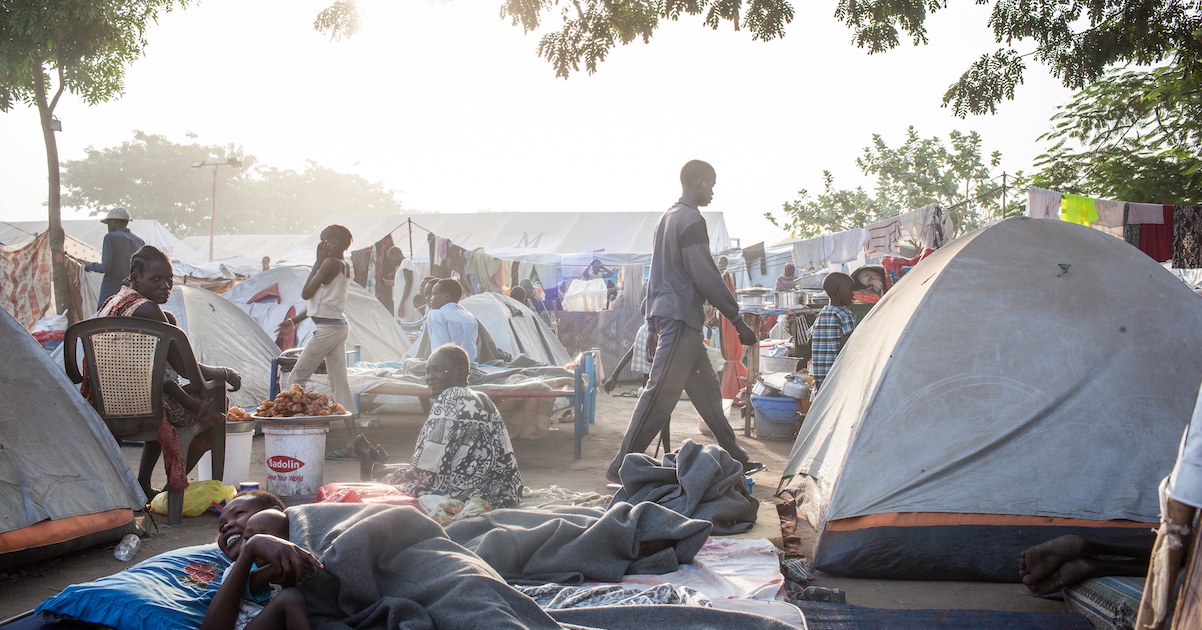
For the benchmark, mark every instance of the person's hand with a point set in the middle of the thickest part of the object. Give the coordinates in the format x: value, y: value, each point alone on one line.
x: 290, y: 564
x: 652, y: 342
x: 323, y: 252
x: 285, y: 327
x: 747, y: 336
x: 610, y: 383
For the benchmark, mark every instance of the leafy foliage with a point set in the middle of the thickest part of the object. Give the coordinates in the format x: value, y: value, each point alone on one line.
x: 151, y: 176
x: 87, y: 43
x: 1131, y: 135
x: 919, y: 172
x: 1077, y: 39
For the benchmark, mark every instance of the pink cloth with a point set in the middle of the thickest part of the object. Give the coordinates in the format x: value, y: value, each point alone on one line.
x: 1145, y: 214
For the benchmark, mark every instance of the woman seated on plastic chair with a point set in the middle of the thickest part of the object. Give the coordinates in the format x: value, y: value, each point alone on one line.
x: 150, y: 281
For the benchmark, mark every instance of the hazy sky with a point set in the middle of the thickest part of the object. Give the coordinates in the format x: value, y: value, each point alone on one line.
x: 449, y: 105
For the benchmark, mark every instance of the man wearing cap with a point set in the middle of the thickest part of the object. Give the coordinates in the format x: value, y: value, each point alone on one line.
x: 119, y: 246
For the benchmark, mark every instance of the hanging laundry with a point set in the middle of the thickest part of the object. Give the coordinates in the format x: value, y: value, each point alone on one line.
x: 435, y: 267
x: 914, y: 221
x: 1131, y: 234
x: 1078, y: 209
x: 1145, y: 214
x: 938, y: 226
x: 1043, y: 204
x: 883, y: 236
x: 1110, y: 213
x: 751, y: 255
x: 1156, y: 239
x: 809, y: 254
x: 456, y: 259
x: 845, y: 246
x: 483, y: 267
x: 1187, y: 237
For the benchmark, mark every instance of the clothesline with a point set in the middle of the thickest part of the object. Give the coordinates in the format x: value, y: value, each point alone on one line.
x: 1163, y: 231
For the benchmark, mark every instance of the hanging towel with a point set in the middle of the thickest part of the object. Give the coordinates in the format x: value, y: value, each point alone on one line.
x: 752, y: 254
x: 1145, y: 213
x: 1131, y: 234
x: 883, y: 236
x: 845, y: 246
x: 809, y: 254
x: 1043, y: 204
x: 1110, y: 213
x: 913, y: 222
x: 1078, y: 209
x: 1156, y: 239
x: 1187, y: 237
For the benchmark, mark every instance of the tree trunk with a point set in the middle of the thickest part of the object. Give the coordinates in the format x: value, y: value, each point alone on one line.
x: 62, y: 286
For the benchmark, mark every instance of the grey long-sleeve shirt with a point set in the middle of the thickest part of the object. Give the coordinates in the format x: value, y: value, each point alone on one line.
x: 119, y: 246
x: 683, y: 275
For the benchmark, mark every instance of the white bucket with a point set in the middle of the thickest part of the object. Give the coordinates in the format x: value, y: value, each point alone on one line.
x: 295, y: 457
x: 237, y: 460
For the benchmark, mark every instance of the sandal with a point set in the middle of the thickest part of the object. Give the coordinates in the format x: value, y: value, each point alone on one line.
x: 341, y: 457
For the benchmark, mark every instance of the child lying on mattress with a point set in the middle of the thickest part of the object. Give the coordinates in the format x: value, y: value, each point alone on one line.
x: 250, y: 596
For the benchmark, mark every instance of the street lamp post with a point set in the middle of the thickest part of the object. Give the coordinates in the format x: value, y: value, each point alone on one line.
x: 235, y: 162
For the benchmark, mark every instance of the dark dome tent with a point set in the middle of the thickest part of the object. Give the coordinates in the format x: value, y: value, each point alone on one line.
x: 1030, y: 379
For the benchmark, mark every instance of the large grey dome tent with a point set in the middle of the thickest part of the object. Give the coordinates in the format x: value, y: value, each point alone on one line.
x: 1029, y: 379
x: 64, y: 484
x: 275, y: 294
x: 222, y: 334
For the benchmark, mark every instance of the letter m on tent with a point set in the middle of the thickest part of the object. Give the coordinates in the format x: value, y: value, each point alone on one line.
x: 528, y: 242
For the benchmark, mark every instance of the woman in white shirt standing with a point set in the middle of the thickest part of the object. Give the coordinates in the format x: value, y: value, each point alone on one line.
x: 326, y: 290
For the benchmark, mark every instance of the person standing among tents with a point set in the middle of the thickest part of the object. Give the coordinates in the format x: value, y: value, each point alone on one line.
x: 119, y: 246
x: 683, y: 277
x: 326, y: 291
x: 400, y: 271
x: 834, y: 324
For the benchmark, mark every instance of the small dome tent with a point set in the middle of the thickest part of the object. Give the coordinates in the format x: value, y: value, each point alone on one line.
x: 64, y: 484
x: 1029, y: 379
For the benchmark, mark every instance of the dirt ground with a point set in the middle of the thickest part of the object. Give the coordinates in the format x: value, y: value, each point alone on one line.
x: 544, y: 462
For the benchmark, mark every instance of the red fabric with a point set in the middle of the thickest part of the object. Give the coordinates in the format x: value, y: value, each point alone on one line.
x: 267, y: 294
x: 287, y: 340
x: 866, y: 297
x: 25, y: 280
x: 734, y: 373
x: 363, y: 493
x: 893, y: 265
x: 46, y: 336
x: 1156, y: 240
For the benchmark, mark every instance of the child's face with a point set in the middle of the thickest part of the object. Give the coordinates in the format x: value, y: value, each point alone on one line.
x: 272, y: 522
x: 231, y: 526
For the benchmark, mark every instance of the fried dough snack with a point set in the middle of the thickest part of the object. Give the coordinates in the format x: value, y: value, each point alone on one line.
x: 298, y: 402
x: 237, y: 414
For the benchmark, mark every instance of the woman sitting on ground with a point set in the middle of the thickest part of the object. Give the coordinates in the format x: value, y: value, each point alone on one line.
x: 150, y: 281
x: 463, y: 450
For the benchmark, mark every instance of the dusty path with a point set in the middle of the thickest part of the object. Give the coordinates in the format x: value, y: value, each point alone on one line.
x: 544, y: 462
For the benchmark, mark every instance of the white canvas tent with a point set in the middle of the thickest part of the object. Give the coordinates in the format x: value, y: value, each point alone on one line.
x: 1029, y: 379
x: 64, y: 484
x: 372, y: 328
x: 92, y: 232
x: 516, y: 329
x: 222, y: 334
x: 615, y: 237
x: 246, y: 250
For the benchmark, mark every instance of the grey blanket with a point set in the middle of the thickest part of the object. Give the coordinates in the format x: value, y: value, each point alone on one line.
x: 569, y: 545
x: 699, y: 481
x: 392, y: 568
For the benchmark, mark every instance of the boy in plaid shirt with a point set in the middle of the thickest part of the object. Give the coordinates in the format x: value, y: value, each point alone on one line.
x: 832, y: 328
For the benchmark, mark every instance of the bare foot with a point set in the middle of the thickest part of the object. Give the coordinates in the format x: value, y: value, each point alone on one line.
x: 1038, y: 563
x: 1068, y: 574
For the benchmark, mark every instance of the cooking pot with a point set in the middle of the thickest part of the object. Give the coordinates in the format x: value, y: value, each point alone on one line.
x: 785, y: 299
x: 753, y: 297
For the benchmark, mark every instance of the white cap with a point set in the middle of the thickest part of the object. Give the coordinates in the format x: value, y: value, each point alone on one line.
x: 118, y: 213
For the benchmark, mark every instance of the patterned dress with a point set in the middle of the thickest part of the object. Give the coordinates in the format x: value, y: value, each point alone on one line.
x: 123, y: 304
x: 463, y: 452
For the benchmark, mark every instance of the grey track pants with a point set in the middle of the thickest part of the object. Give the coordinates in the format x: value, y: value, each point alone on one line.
x: 680, y: 365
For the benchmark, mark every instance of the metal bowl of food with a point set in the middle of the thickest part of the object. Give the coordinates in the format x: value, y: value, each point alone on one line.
x: 785, y: 299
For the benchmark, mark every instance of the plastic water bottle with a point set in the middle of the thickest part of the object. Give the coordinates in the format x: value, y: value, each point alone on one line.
x: 128, y: 547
